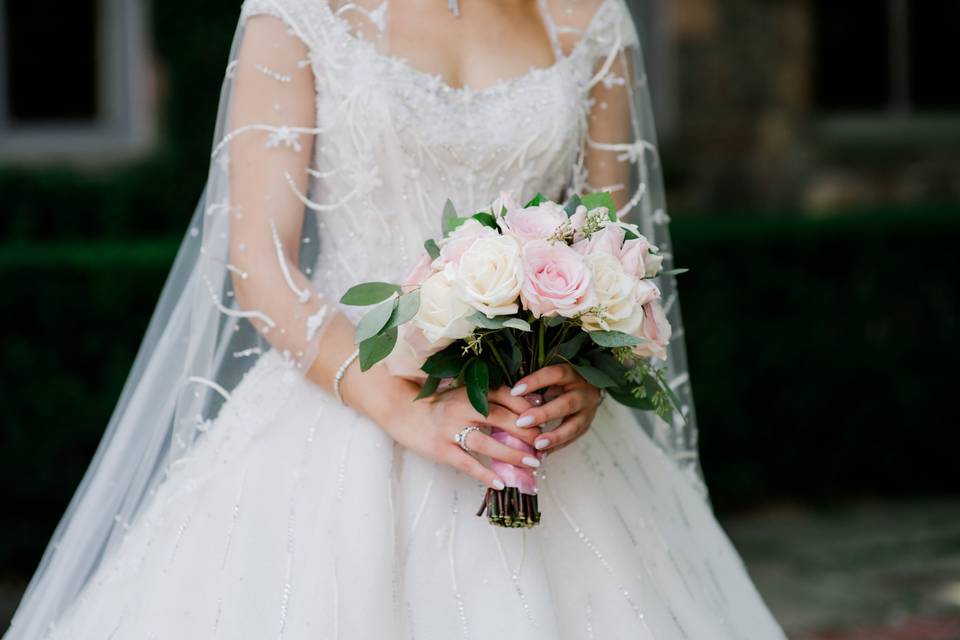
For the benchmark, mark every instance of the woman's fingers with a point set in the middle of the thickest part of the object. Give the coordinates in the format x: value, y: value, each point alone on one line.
x: 557, y: 374
x: 463, y: 461
x: 568, y: 431
x: 514, y: 403
x: 488, y: 446
x: 507, y: 420
x: 560, y: 407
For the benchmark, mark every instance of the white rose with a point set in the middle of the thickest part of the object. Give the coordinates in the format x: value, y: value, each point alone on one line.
x: 442, y: 315
x: 653, y: 264
x: 618, y: 292
x: 490, y: 274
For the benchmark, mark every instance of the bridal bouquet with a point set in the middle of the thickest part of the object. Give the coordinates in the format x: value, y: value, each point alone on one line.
x: 515, y: 288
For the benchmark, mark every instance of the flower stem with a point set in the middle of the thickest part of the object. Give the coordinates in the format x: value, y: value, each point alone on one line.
x: 503, y: 367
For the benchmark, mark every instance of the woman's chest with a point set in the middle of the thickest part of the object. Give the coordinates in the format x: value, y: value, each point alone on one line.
x: 379, y: 107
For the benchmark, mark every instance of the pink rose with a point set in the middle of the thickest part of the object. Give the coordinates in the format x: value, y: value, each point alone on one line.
x: 418, y: 274
x: 409, y: 354
x: 504, y: 202
x: 557, y: 280
x: 633, y: 254
x: 656, y: 331
x: 455, y: 245
x: 607, y: 240
x: 533, y: 223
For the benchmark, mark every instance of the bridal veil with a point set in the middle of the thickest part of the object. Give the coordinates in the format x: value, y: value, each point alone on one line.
x: 259, y: 230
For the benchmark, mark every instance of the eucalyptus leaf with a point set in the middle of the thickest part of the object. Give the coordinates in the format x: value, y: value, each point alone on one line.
x: 363, y: 295
x: 570, y: 348
x: 431, y: 248
x: 572, y: 204
x: 601, y: 199
x: 374, y: 320
x: 604, y: 361
x: 477, y: 379
x: 553, y: 321
x: 594, y: 376
x: 624, y: 397
x: 672, y: 272
x: 449, y: 218
x: 406, y: 307
x: 446, y: 363
x: 375, y: 349
x: 485, y: 219
x: 537, y: 199
x: 429, y: 386
x: 517, y: 323
x: 481, y: 320
x: 674, y: 400
x: 612, y: 339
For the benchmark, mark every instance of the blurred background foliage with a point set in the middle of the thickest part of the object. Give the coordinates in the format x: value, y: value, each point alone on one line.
x: 814, y: 184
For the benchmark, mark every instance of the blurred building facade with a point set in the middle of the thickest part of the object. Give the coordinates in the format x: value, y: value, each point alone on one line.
x: 773, y: 105
x: 812, y: 104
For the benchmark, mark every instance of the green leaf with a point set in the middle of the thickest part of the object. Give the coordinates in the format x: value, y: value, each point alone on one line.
x: 624, y: 397
x: 572, y: 204
x: 595, y: 377
x: 517, y: 323
x: 407, y: 307
x: 514, y: 355
x: 569, y: 349
x: 478, y: 381
x: 449, y: 220
x: 604, y: 361
x: 485, y: 219
x: 498, y: 322
x: 375, y: 349
x: 601, y: 199
x: 496, y: 375
x: 432, y: 249
x: 672, y: 272
x: 537, y: 199
x: 674, y: 399
x: 445, y: 364
x: 374, y: 320
x: 429, y: 386
x: 613, y: 339
x: 481, y: 320
x: 368, y: 293
x: 553, y: 321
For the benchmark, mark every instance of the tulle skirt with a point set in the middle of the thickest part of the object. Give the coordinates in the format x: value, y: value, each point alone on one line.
x: 294, y: 517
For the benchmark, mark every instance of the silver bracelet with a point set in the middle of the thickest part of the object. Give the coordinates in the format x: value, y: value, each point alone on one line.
x: 338, y: 377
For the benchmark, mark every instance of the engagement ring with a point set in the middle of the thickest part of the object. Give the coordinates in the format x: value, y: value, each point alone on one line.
x: 461, y: 438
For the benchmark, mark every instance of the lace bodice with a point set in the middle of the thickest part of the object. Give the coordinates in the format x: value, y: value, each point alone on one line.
x: 395, y: 142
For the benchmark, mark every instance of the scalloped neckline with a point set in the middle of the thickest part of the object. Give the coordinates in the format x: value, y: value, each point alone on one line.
x: 438, y: 83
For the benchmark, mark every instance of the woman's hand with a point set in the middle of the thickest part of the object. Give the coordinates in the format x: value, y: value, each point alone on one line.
x: 428, y: 426
x: 576, y: 402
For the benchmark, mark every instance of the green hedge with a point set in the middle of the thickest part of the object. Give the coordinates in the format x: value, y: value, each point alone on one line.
x: 821, y: 353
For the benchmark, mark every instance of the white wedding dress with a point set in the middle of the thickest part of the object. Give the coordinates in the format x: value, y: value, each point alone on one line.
x: 294, y: 517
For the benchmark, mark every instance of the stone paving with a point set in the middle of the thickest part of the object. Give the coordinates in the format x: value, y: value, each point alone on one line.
x: 880, y: 571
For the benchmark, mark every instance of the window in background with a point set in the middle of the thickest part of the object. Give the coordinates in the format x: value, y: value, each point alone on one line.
x: 882, y: 60
x: 72, y: 85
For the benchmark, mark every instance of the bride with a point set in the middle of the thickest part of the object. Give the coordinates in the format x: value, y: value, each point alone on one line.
x: 253, y: 483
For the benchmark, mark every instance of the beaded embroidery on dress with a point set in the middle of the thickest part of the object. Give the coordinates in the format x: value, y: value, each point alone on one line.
x: 233, y: 498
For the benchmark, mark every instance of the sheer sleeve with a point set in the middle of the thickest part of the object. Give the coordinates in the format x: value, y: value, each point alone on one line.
x: 269, y: 145
x: 614, y: 145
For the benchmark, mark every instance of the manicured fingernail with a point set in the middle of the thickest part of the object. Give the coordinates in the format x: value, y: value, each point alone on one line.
x: 530, y: 462
x: 541, y: 443
x: 498, y: 484
x: 525, y: 421
x: 518, y: 390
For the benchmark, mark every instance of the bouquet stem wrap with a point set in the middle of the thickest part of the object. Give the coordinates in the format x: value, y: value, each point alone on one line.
x: 516, y: 505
